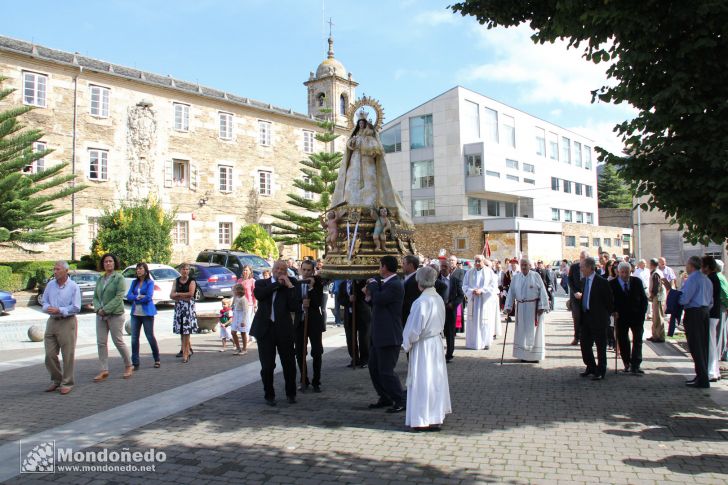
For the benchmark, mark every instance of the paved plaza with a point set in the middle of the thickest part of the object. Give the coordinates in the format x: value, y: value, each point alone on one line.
x: 516, y: 423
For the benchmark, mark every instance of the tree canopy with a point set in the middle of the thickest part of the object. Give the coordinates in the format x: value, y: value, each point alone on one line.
x: 612, y: 189
x: 669, y: 59
x: 253, y: 238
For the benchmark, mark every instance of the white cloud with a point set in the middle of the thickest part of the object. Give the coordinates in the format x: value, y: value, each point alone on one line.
x: 556, y: 112
x: 541, y: 72
x: 433, y: 18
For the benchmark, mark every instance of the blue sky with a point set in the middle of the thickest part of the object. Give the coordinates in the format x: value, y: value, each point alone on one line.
x: 401, y: 52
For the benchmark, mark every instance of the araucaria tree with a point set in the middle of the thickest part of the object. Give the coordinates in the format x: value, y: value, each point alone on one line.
x: 28, y: 215
x: 669, y: 60
x: 320, y: 171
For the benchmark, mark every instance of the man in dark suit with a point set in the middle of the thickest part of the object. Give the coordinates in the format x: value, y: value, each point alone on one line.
x: 545, y: 275
x: 410, y: 264
x: 574, y: 280
x: 273, y: 329
x: 630, y: 306
x: 386, y: 294
x: 356, y: 313
x: 311, y: 290
x: 596, y: 304
x: 453, y: 299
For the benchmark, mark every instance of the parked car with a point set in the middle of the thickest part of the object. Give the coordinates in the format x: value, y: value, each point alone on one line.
x: 212, y: 280
x: 235, y: 261
x: 7, y: 302
x: 163, y: 277
x: 84, y: 278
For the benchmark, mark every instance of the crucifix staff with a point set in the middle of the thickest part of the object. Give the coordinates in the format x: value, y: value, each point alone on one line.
x: 304, y: 350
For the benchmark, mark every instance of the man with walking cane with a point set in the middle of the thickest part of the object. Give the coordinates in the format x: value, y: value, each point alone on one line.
x: 310, y: 325
x: 630, y: 306
x: 527, y: 294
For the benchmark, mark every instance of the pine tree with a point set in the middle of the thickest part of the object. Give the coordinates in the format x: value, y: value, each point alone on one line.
x: 320, y: 171
x: 28, y: 214
x: 613, y: 190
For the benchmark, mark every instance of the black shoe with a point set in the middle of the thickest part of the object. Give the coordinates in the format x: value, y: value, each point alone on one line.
x: 637, y: 370
x: 698, y: 385
x: 598, y: 377
x: 587, y: 373
x: 380, y: 404
x: 487, y: 347
x: 575, y: 341
x: 691, y: 381
x: 316, y: 388
x: 350, y: 365
x: 303, y: 388
x: 714, y: 379
x: 270, y: 402
x: 447, y: 361
x: 136, y: 366
x: 291, y: 399
x: 626, y: 369
x: 363, y: 366
x: 529, y: 361
x: 179, y: 354
x: 397, y: 408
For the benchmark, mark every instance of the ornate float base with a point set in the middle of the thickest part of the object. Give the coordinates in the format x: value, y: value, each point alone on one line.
x: 355, y: 254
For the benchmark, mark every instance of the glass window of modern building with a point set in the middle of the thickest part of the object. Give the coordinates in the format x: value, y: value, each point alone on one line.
x: 577, y: 154
x: 474, y: 206
x: 490, y: 125
x: 423, y: 174
x: 421, y: 132
x: 493, y: 208
x: 474, y: 165
x: 392, y: 139
x: 540, y: 142
x: 508, y: 128
x: 565, y: 150
x: 423, y: 207
x: 472, y: 119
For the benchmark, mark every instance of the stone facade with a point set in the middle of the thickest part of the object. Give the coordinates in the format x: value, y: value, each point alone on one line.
x: 595, y: 238
x: 615, y: 217
x: 197, y: 150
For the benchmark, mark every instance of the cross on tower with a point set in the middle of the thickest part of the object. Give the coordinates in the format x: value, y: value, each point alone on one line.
x: 331, y: 25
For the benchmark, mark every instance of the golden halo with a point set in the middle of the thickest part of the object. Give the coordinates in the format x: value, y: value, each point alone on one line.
x: 372, y: 103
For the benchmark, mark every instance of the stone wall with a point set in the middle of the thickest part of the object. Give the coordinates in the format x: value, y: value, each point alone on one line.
x: 615, y: 217
x: 592, y: 232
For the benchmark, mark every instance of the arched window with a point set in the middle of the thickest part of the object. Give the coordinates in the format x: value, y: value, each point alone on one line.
x: 342, y: 105
x: 321, y: 98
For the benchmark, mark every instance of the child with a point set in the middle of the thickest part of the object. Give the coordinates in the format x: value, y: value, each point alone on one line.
x: 225, y: 323
x: 239, y: 310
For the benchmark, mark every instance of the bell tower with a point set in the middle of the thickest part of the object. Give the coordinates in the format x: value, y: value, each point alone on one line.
x: 331, y: 87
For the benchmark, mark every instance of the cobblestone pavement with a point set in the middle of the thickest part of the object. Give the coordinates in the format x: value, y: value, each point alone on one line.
x: 516, y: 423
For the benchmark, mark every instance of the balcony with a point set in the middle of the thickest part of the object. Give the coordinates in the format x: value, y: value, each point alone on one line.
x: 523, y: 224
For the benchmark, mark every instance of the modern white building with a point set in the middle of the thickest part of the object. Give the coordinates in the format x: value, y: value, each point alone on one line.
x: 466, y: 158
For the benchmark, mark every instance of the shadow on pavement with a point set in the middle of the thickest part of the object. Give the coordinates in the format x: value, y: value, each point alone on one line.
x: 685, y: 464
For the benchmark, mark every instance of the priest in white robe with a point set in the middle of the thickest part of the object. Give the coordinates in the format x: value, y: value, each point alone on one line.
x: 428, y: 391
x: 497, y: 327
x: 481, y: 287
x: 527, y: 294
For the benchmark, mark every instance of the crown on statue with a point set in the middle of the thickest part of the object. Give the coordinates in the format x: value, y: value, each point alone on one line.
x: 363, y: 115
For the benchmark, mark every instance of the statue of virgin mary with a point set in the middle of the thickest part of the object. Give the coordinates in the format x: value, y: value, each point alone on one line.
x: 363, y: 179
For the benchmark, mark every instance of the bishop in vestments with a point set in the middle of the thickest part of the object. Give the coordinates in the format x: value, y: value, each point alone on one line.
x: 481, y: 287
x: 527, y: 294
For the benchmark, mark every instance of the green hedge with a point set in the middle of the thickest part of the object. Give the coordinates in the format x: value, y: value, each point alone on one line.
x: 27, y: 274
x: 10, y: 281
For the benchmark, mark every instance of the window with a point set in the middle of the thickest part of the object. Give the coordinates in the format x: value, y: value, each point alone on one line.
x: 264, y: 182
x: 568, y: 215
x: 584, y: 241
x: 392, y: 139
x: 226, y: 126
x: 570, y: 241
x: 93, y: 228
x: 181, y: 117
x: 554, y: 146
x: 529, y: 181
x: 491, y: 173
x: 567, y: 187
x: 512, y: 177
x: 490, y: 125
x: 528, y: 167
x: 588, y: 190
x: 540, y: 142
x: 307, y: 194
x: 224, y: 233
x: 579, y: 217
x: 607, y: 242
x: 577, y: 154
x: 565, y: 150
x: 471, y: 119
x: 596, y: 242
x: 493, y: 208
x: 264, y: 129
x: 461, y: 243
x: 473, y: 165
x: 225, y: 178
x: 98, y: 162
x: 555, y: 214
x: 423, y: 207
x: 554, y: 183
x: 511, y: 164
x: 423, y: 174
x: 37, y: 165
x: 511, y: 209
x: 587, y: 158
x: 34, y: 89
x: 578, y: 188
x: 180, y: 232
x: 321, y: 100
x: 508, y: 126
x: 343, y: 105
x: 474, y: 206
x: 589, y: 218
x: 308, y: 141
x: 100, y: 101
x: 421, y: 132
x: 181, y: 173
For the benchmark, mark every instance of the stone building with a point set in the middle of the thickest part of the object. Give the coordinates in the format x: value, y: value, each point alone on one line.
x: 128, y: 134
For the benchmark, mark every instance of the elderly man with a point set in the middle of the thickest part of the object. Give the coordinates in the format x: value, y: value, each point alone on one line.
x: 596, y: 304
x: 456, y: 268
x: 410, y: 263
x: 658, y: 295
x: 428, y: 393
x: 454, y: 298
x: 697, y: 299
x: 667, y: 273
x: 527, y: 294
x: 630, y: 305
x: 710, y: 269
x: 574, y: 280
x: 496, y: 328
x: 61, y: 301
x: 481, y: 288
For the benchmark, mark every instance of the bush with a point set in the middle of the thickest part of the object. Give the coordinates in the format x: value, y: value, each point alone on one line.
x: 87, y: 262
x: 10, y: 281
x: 27, y: 274
x: 254, y: 239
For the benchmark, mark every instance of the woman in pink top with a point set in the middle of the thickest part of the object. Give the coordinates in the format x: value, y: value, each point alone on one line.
x: 248, y: 282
